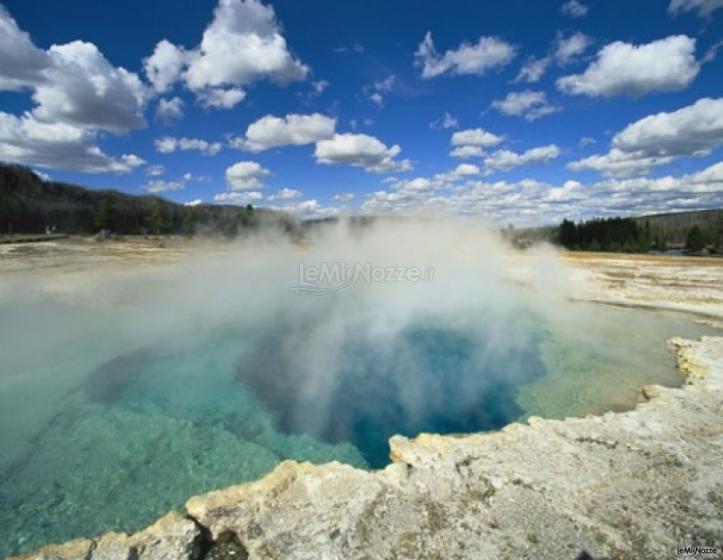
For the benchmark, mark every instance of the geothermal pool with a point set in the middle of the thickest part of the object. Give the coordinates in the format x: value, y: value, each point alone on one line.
x: 103, y: 430
x: 125, y: 389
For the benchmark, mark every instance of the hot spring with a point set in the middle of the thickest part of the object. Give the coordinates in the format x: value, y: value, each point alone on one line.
x: 123, y: 392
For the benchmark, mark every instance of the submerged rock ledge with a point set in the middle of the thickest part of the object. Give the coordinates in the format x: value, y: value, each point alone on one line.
x: 627, y: 485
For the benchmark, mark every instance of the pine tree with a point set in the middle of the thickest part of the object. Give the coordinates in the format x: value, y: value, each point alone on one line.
x: 105, y: 215
x: 695, y: 242
x: 160, y: 218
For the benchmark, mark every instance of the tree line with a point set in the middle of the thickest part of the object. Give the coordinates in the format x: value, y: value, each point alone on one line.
x: 635, y: 235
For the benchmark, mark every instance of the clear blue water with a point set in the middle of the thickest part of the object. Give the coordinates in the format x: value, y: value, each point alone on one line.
x: 103, y: 428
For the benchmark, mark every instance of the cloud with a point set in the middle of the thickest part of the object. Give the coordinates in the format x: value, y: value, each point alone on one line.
x: 361, y: 150
x: 586, y: 141
x: 355, y: 123
x: 694, y: 130
x: 164, y: 66
x: 465, y: 170
x: 343, y: 197
x: 355, y: 48
x: 574, y: 9
x: 531, y: 202
x: 563, y: 51
x: 82, y: 88
x: 705, y: 8
x: 169, y: 110
x: 475, y: 137
x: 239, y: 198
x: 243, y: 44
x: 194, y: 202
x: 22, y: 64
x: 71, y: 83
x: 220, y: 98
x: 445, y: 122
x: 76, y: 95
x: 617, y: 163
x: 158, y: 186
x: 132, y: 160
x: 317, y: 88
x: 487, y: 54
x: 292, y: 130
x: 308, y: 209
x: 568, y: 49
x: 375, y: 92
x: 28, y: 141
x: 530, y: 105
x: 533, y: 69
x: 622, y: 68
x: 246, y: 175
x: 285, y: 194
x: 155, y: 170
x: 464, y: 152
x: 504, y: 160
x: 170, y: 144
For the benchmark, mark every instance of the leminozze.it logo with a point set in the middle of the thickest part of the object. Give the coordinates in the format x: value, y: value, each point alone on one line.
x: 336, y: 277
x: 690, y: 551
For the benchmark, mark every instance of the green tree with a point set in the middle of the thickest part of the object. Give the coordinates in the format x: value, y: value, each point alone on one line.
x: 568, y: 234
x: 160, y: 218
x: 188, y: 226
x: 105, y: 215
x: 695, y: 241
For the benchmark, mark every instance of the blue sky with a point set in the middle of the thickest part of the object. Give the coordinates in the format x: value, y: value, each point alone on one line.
x: 516, y: 111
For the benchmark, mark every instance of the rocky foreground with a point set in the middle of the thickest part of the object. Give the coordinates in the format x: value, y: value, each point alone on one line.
x: 628, y: 485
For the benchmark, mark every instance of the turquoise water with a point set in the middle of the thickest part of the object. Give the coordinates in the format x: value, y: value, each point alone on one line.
x: 103, y: 427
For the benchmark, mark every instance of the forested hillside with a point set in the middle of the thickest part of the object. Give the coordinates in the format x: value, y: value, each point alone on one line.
x: 28, y: 204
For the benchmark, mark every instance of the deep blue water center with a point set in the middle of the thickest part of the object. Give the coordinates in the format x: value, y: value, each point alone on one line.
x: 436, y: 380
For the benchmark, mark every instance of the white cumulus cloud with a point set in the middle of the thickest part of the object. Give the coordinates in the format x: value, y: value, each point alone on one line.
x: 285, y: 194
x: 504, y: 160
x: 169, y: 110
x: 694, y: 130
x: 464, y: 152
x: 240, y: 198
x: 170, y: 144
x: 469, y: 58
x: 623, y: 68
x: 343, y: 197
x: 76, y: 93
x: 291, y: 130
x: 533, y: 69
x: 476, y: 137
x: 164, y: 66
x: 567, y: 49
x: 361, y: 150
x: 243, y: 44
x: 246, y: 175
x: 528, y: 104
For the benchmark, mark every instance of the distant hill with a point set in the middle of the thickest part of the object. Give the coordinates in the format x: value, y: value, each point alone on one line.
x: 29, y: 204
x: 675, y: 225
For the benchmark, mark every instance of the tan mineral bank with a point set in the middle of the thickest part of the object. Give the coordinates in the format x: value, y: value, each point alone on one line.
x: 631, y: 485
